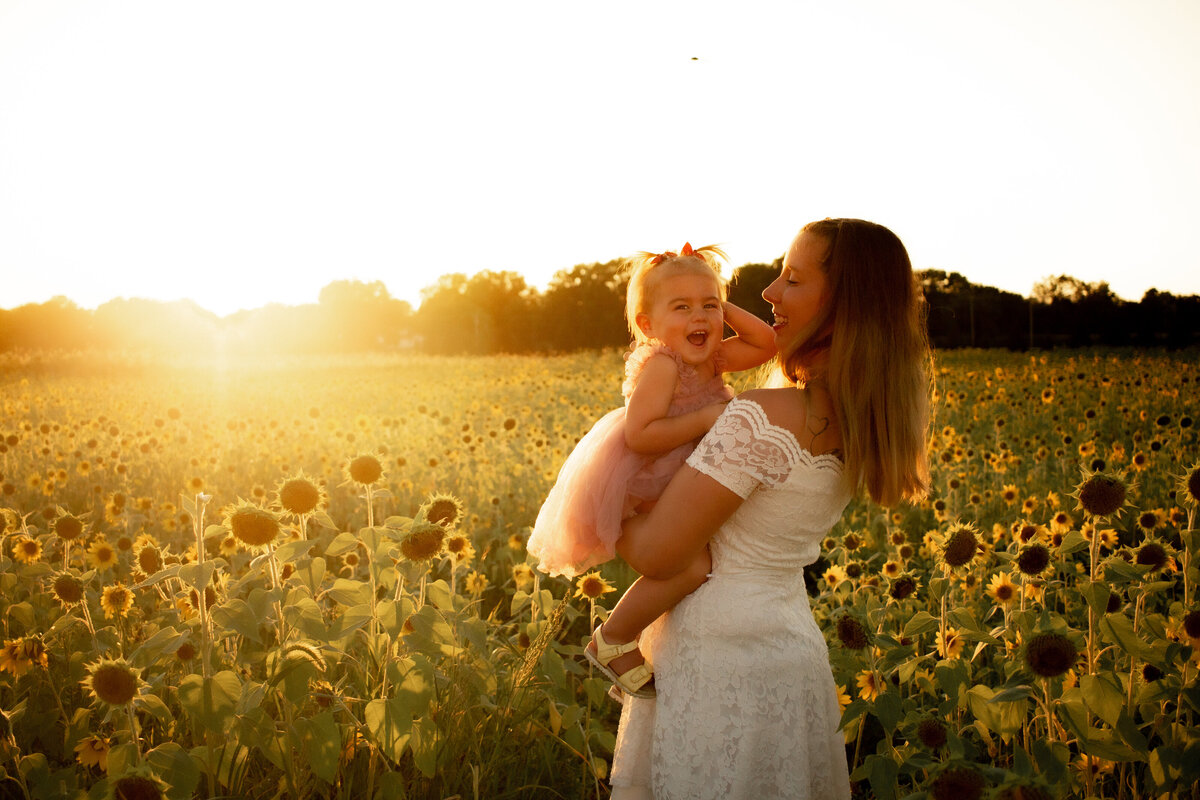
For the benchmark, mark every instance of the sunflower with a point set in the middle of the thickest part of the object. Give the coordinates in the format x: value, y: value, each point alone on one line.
x: 592, y: 587
x: 1050, y: 654
x: 113, y: 682
x: 116, y: 600
x: 476, y: 583
x: 1101, y: 494
x: 92, y: 751
x: 229, y: 546
x: 1002, y: 589
x: 26, y: 550
x: 1033, y: 559
x: 931, y: 731
x: 300, y: 495
x: 19, y: 655
x: 365, y: 470
x: 1061, y: 522
x: 443, y: 509
x: 902, y: 587
x: 68, y: 589
x: 147, y: 561
x: 102, y: 555
x: 870, y: 685
x: 951, y: 646
x: 851, y: 632
x: 460, y: 549
x: 834, y: 576
x: 958, y: 783
x: 254, y: 526
x: 959, y: 545
x: 843, y: 697
x: 423, y: 542
x: 139, y: 783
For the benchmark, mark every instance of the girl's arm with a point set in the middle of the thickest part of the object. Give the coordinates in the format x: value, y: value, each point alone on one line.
x: 754, y: 344
x: 648, y: 429
x: 662, y: 543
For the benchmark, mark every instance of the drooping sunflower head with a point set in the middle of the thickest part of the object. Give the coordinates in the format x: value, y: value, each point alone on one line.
x: 1050, y: 654
x: 113, y: 682
x: 932, y: 732
x: 851, y: 632
x: 1189, y: 486
x: 958, y: 783
x: 902, y: 587
x: 147, y: 561
x: 253, y: 525
x: 365, y: 469
x: 1101, y: 494
x: 443, y: 509
x: 138, y: 783
x: 300, y: 495
x: 1153, y: 554
x: 423, y: 542
x: 68, y: 589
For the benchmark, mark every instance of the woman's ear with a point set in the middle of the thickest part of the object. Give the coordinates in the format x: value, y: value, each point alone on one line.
x: 643, y: 323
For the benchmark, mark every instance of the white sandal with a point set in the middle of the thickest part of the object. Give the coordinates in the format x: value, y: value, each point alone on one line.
x: 636, y: 681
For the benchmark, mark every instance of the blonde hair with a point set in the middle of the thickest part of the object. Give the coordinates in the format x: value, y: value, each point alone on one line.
x: 872, y: 326
x: 648, y: 270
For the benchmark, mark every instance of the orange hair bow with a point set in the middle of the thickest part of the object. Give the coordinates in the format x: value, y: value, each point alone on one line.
x: 685, y: 251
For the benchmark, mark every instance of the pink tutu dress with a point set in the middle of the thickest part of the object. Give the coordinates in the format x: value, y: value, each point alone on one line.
x: 602, y: 481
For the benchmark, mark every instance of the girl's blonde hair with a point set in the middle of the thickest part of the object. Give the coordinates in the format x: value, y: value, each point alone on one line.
x: 648, y: 270
x: 872, y: 326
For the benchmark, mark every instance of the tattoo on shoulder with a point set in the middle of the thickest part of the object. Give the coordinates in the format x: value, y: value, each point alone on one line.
x: 817, y: 425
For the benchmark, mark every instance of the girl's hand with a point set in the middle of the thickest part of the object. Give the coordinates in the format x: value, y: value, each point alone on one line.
x: 754, y: 344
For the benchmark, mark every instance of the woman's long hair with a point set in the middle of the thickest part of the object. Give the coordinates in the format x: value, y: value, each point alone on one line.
x: 879, y: 362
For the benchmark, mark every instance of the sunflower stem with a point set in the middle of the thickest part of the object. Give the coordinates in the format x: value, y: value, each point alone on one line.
x: 134, y: 739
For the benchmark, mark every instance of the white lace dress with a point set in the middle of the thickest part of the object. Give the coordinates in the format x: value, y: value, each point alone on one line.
x: 747, y: 708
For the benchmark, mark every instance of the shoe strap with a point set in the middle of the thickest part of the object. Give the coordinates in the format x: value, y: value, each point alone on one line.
x: 607, y: 652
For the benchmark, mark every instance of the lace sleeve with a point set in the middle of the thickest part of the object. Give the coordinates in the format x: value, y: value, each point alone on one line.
x: 744, y: 450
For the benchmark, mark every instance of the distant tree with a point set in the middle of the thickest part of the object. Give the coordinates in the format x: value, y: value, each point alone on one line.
x: 747, y: 285
x: 489, y: 312
x: 362, y: 316
x: 57, y: 324
x: 584, y: 307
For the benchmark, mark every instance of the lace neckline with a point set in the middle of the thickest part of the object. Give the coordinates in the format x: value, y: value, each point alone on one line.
x: 760, y: 418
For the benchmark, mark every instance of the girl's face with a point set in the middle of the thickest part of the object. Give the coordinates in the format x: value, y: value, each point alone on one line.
x: 797, y: 295
x: 685, y: 314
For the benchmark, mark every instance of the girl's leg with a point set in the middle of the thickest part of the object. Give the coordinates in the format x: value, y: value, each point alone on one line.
x: 645, y: 601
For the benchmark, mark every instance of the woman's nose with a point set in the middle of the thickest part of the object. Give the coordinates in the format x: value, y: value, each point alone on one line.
x: 769, y: 292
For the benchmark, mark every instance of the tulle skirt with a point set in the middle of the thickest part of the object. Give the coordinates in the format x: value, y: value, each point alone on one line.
x: 600, y: 485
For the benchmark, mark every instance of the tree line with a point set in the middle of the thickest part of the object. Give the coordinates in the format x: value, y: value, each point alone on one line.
x: 582, y: 307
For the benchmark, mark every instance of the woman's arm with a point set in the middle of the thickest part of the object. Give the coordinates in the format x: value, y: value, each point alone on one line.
x: 661, y: 543
x: 648, y: 429
x: 754, y: 344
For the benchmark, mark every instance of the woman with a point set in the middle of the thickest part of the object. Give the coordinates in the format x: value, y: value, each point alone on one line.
x: 746, y: 703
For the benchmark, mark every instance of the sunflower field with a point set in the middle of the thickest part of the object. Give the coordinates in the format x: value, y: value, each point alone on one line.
x: 307, y: 578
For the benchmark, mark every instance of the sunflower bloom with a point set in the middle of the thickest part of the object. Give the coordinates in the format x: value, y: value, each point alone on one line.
x: 476, y: 583
x: 592, y: 587
x: 26, y: 550
x: 113, y: 682
x: 92, y: 751
x: 951, y: 645
x: 116, y: 600
x: 869, y: 685
x: 1002, y: 589
x: 522, y: 576
x: 102, y: 555
x: 18, y: 656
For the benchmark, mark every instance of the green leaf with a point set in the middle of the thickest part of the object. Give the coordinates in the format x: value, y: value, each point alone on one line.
x: 887, y: 709
x: 1012, y: 693
x: 177, y: 768
x: 1127, y: 729
x: 388, y: 726
x: 347, y: 592
x: 197, y: 576
x: 1096, y: 593
x: 211, y: 703
x: 342, y: 543
x: 153, y: 705
x: 1118, y: 629
x: 1101, y: 697
x: 438, y: 593
x: 236, y: 616
x: 163, y: 640
x: 290, y: 551
x: 1053, y: 759
x: 1002, y: 717
x: 1073, y: 542
x: 304, y: 615
x: 311, y: 575
x: 919, y: 623
x: 351, y: 619
x: 425, y: 745
x: 321, y: 740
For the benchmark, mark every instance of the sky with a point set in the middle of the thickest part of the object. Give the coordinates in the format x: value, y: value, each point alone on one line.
x: 249, y: 152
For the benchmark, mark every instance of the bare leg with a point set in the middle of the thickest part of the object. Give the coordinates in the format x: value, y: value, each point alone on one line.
x: 645, y: 601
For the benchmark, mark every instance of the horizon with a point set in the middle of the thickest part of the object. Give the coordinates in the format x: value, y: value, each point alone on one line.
x: 239, y: 154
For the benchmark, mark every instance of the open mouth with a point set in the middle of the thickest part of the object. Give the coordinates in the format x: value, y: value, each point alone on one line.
x: 698, y: 338
x: 780, y: 321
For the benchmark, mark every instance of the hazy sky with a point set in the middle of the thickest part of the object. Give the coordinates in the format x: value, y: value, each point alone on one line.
x: 239, y: 153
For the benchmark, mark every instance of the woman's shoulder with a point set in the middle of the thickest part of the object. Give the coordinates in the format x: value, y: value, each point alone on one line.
x: 806, y: 414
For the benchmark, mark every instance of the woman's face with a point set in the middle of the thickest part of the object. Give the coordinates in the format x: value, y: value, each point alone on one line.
x: 797, y: 295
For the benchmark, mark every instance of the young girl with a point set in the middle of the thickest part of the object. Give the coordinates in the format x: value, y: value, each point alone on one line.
x: 674, y: 392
